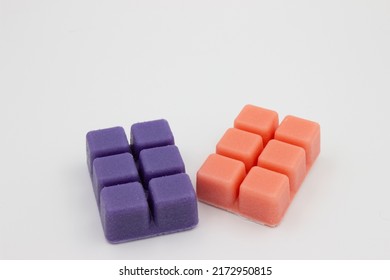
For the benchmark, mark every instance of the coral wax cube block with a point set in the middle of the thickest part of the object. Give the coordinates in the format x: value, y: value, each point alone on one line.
x: 258, y: 120
x: 286, y: 159
x: 105, y: 142
x: 160, y: 161
x: 113, y: 170
x: 241, y: 145
x: 218, y: 180
x: 264, y: 196
x: 173, y: 202
x: 283, y: 159
x: 302, y: 133
x: 150, y: 134
x: 124, y: 212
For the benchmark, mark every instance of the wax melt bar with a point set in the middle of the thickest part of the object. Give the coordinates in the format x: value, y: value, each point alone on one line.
x: 141, y: 189
x: 259, y: 165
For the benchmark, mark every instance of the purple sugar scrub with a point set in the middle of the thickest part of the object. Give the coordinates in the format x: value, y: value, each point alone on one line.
x: 106, y: 142
x: 113, y: 170
x: 166, y: 203
x: 124, y: 212
x: 160, y: 161
x: 149, y: 135
x: 173, y: 202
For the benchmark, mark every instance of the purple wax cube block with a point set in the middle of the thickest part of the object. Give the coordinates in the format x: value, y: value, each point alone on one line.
x: 160, y: 161
x: 105, y: 142
x: 124, y: 212
x: 150, y: 134
x: 113, y: 170
x: 126, y: 215
x: 166, y: 203
x: 173, y: 202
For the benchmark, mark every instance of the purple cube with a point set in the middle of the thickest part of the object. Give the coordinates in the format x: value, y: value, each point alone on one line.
x: 160, y: 161
x: 113, y: 170
x: 173, y: 202
x: 124, y: 212
x: 150, y: 134
x: 105, y: 142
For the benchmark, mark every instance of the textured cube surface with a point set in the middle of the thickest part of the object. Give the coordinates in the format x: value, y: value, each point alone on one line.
x: 219, y: 179
x: 275, y: 172
x: 105, y: 142
x: 286, y: 159
x: 149, y: 135
x: 264, y: 195
x: 173, y: 202
x: 302, y: 133
x: 160, y: 161
x: 124, y: 211
x: 240, y: 145
x: 257, y: 120
x: 113, y: 170
x: 128, y: 209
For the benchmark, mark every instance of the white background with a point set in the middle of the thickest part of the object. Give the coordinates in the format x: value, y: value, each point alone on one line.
x: 67, y: 67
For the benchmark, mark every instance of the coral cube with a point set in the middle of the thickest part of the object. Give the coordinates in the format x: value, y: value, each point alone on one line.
x: 219, y: 179
x: 286, y: 159
x: 302, y: 133
x: 264, y: 196
x: 241, y: 145
x: 258, y: 120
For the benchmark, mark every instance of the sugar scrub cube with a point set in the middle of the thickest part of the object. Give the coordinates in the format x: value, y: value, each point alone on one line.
x: 219, y: 179
x: 124, y: 211
x: 105, y: 142
x: 264, y: 196
x: 173, y: 202
x: 302, y: 133
x: 255, y: 178
x: 286, y: 159
x: 258, y: 120
x: 240, y: 145
x: 113, y: 170
x: 150, y: 134
x: 160, y: 161
x: 145, y: 195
